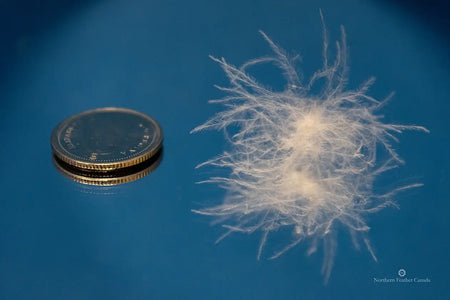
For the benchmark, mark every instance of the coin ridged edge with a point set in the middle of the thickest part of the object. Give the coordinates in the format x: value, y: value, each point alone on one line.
x: 107, y: 181
x: 108, y: 166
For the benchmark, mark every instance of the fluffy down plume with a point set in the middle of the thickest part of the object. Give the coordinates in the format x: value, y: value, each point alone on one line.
x: 298, y: 159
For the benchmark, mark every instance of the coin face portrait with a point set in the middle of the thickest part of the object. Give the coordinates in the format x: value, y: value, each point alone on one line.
x: 106, y: 139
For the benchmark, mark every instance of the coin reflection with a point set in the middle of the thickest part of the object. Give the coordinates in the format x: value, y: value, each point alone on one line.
x: 115, y: 177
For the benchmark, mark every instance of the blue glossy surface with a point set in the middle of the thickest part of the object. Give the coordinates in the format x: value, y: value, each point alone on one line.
x: 62, y: 240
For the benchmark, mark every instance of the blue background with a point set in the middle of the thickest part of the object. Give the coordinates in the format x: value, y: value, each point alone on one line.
x: 63, y: 240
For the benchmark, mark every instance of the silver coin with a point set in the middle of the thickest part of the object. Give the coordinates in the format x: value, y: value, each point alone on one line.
x: 106, y: 139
